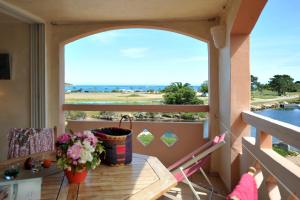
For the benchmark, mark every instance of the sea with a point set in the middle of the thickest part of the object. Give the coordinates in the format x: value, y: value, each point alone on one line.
x: 110, y: 88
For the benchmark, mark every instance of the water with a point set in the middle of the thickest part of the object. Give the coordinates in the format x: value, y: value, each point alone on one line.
x: 109, y: 88
x: 291, y: 116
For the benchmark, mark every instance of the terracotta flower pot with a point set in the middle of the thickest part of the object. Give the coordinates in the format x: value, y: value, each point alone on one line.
x: 76, y: 177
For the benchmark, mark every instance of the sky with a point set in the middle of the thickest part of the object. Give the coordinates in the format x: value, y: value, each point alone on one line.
x: 136, y: 57
x: 275, y: 41
x: 156, y: 57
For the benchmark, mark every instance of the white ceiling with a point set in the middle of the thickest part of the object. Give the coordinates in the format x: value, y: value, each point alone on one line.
x: 120, y: 10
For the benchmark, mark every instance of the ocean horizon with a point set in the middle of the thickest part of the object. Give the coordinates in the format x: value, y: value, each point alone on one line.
x: 110, y: 88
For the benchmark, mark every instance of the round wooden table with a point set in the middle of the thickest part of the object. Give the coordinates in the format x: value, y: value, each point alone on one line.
x: 145, y: 178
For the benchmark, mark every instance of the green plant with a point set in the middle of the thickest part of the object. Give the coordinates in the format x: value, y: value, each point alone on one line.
x: 75, y: 115
x: 204, y: 87
x: 179, y: 93
x: 284, y: 152
x: 188, y: 116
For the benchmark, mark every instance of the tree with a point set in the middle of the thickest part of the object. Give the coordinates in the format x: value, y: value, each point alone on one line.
x: 297, y: 86
x: 255, y: 84
x: 178, y: 93
x: 282, y: 84
x: 204, y: 87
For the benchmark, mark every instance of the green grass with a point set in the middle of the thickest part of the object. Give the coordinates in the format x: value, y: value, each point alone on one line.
x: 268, y: 94
x: 265, y: 94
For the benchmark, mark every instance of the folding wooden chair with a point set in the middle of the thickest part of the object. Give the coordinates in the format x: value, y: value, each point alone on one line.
x: 191, y: 163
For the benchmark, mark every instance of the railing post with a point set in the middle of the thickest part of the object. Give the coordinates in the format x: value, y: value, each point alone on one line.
x: 263, y: 140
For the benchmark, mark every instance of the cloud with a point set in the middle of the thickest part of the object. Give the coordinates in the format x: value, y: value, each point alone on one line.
x: 134, y: 52
x: 106, y: 37
x: 192, y: 59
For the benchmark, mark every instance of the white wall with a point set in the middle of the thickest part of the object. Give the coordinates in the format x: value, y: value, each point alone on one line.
x: 15, y: 93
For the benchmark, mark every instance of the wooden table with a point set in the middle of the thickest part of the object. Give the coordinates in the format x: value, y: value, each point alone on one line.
x: 145, y: 178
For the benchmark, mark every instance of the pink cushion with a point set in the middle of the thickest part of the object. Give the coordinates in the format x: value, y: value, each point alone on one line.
x: 192, y: 169
x: 195, y: 166
x: 26, y: 141
x: 246, y: 189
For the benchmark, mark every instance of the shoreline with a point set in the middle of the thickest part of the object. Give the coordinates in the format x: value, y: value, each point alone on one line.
x: 274, y: 103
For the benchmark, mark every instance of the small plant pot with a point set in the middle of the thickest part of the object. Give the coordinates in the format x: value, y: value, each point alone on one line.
x: 76, y: 177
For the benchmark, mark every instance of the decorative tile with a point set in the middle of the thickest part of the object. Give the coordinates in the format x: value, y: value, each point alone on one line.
x: 169, y: 138
x: 145, y: 137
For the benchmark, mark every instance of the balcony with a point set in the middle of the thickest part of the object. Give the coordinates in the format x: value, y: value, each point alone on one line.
x: 35, y: 35
x: 276, y: 176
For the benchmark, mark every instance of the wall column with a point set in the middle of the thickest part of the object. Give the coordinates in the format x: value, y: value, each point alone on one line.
x: 37, y: 63
x: 240, y: 97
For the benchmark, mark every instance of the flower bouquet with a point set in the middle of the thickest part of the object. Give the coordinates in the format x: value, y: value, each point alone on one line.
x: 76, y: 153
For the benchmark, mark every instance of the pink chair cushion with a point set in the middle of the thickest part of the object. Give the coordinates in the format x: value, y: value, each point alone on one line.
x: 195, y: 166
x: 246, y: 189
x: 191, y: 170
x: 26, y: 141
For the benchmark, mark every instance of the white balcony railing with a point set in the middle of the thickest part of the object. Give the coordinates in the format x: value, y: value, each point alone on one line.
x: 277, y: 177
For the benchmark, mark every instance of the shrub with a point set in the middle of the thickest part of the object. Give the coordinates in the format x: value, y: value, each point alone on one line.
x: 75, y: 115
x: 178, y: 93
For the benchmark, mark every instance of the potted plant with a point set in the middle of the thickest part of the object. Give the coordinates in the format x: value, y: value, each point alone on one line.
x: 76, y: 153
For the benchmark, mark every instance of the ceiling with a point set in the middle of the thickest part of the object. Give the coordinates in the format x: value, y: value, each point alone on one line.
x: 120, y: 10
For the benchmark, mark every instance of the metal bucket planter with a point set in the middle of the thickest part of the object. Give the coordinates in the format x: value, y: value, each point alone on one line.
x: 117, y: 143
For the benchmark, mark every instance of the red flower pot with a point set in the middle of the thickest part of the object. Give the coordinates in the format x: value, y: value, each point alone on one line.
x: 76, y: 177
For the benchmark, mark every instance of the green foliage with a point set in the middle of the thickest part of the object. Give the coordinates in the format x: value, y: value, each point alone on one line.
x: 178, y: 93
x: 75, y: 115
x: 150, y: 91
x: 193, y: 116
x: 204, y: 87
x: 133, y: 95
x: 116, y: 91
x: 297, y: 86
x: 188, y: 116
x: 107, y: 115
x: 255, y: 85
x: 282, y: 84
x: 284, y: 152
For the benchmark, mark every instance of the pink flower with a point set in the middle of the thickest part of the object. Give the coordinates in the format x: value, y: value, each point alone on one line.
x: 64, y: 138
x: 74, y: 151
x: 93, y: 140
x: 90, y: 137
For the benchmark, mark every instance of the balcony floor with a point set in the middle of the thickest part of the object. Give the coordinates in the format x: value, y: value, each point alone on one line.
x: 182, y: 191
